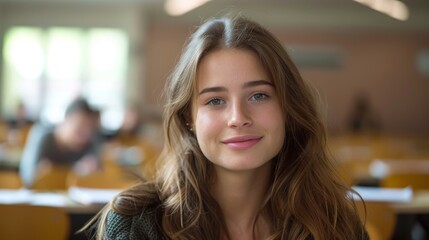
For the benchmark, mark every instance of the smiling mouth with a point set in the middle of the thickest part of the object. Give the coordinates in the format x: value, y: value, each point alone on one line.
x: 243, y: 142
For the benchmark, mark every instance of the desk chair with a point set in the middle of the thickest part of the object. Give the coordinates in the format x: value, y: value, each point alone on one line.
x: 22, y: 222
x: 373, y: 232
x: 10, y: 180
x: 345, y: 172
x: 418, y: 181
x: 134, y: 153
x: 53, y: 179
x: 380, y: 219
x: 108, y: 178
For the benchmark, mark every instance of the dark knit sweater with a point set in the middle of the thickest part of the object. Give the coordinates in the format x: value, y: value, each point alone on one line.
x: 138, y: 227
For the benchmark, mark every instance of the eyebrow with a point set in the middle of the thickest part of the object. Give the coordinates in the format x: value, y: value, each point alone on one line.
x: 257, y: 83
x: 245, y: 85
x: 212, y: 89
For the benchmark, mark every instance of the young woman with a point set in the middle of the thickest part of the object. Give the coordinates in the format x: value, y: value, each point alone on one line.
x: 245, y: 154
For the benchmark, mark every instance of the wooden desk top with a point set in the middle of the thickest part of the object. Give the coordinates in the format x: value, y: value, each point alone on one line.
x: 418, y: 204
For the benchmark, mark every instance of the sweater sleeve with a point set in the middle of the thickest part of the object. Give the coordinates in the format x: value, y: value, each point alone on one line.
x: 32, y: 153
x: 138, y: 227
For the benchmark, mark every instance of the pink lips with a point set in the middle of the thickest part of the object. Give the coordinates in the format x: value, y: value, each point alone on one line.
x: 242, y: 142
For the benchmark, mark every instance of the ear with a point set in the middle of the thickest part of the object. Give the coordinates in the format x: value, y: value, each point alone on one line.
x: 186, y: 113
x: 187, y: 119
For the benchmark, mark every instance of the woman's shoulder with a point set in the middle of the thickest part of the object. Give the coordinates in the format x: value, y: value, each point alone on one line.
x: 140, y: 226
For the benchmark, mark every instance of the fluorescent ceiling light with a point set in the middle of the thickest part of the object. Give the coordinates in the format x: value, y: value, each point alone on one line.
x: 392, y: 8
x: 180, y: 7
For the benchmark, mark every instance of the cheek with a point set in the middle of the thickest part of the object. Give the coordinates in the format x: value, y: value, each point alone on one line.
x: 207, y: 127
x: 273, y: 121
x: 269, y: 113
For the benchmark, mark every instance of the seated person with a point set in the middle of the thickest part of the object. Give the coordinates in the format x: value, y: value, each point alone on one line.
x: 363, y: 118
x: 72, y: 143
x: 131, y: 129
x: 20, y: 118
x: 128, y: 145
x: 18, y: 126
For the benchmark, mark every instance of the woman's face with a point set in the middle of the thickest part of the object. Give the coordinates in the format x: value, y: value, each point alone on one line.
x: 237, y: 116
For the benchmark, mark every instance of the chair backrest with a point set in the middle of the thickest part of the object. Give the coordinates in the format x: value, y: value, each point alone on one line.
x: 107, y: 179
x: 10, y: 180
x: 53, y: 179
x: 373, y: 231
x: 418, y: 181
x: 21, y: 222
x: 379, y: 219
x: 346, y: 173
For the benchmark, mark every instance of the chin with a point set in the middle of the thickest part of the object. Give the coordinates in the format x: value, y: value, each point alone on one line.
x: 243, y: 165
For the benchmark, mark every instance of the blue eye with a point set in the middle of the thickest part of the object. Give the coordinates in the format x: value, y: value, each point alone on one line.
x: 259, y: 97
x: 215, y: 101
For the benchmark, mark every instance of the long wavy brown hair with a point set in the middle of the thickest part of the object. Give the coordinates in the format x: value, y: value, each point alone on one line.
x: 306, y: 198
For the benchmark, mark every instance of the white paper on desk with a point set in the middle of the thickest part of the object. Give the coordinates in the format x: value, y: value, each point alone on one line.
x: 378, y: 194
x: 25, y: 196
x: 49, y: 199
x: 92, y: 195
x: 15, y: 196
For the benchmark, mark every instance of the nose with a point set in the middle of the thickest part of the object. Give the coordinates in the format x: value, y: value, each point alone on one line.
x: 239, y: 116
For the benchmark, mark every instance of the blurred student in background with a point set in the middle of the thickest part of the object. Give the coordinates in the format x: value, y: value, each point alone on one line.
x: 363, y: 118
x: 130, y: 146
x: 72, y: 143
x: 131, y: 128
x: 18, y: 126
x: 20, y: 118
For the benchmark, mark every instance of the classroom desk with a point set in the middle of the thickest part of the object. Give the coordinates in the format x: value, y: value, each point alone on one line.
x: 80, y: 207
x: 9, y: 157
x: 419, y: 204
x: 80, y: 213
x: 76, y: 200
x: 415, y: 211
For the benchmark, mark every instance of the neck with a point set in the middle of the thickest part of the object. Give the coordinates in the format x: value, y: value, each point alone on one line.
x: 241, y: 196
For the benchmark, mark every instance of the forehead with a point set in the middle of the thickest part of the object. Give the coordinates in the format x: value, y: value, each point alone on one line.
x: 226, y: 66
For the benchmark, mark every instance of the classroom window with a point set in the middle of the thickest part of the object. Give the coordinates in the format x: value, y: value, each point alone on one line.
x: 45, y: 68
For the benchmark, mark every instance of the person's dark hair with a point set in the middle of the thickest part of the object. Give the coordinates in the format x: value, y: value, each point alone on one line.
x: 80, y: 105
x: 306, y: 198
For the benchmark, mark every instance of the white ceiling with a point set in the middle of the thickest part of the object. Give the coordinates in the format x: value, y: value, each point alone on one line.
x: 331, y: 14
x: 315, y: 14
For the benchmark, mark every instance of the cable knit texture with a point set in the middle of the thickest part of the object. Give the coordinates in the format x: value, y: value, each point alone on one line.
x: 138, y: 227
x: 141, y: 227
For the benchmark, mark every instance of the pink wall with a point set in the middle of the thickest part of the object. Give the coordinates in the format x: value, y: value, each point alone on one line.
x: 382, y: 65
x: 165, y: 43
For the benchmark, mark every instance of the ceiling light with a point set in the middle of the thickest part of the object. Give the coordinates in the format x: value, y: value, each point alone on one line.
x: 180, y: 7
x: 399, y: 11
x: 392, y: 8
